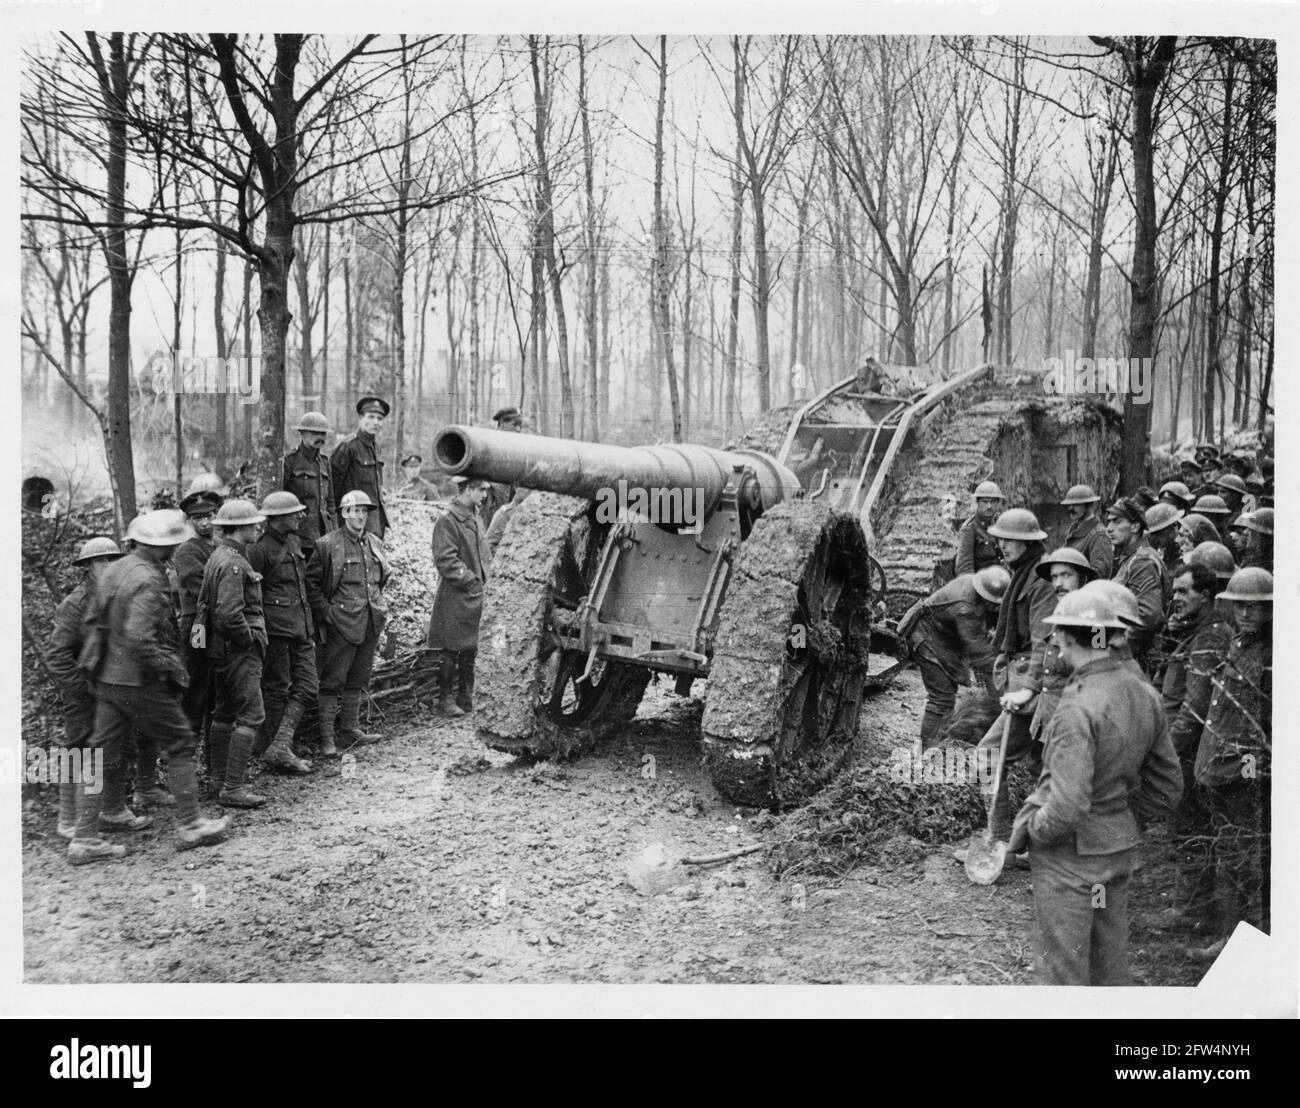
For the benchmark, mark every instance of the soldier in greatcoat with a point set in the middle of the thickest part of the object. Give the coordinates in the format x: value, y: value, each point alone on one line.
x: 461, y: 556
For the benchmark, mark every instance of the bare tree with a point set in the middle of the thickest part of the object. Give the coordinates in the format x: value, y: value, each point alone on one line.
x: 912, y: 167
x: 1146, y: 63
x: 540, y: 65
x: 72, y: 202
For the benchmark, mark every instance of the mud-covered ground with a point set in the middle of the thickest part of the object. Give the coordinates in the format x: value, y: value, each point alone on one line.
x: 431, y: 860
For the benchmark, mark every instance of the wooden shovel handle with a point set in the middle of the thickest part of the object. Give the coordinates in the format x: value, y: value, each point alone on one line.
x: 997, y: 773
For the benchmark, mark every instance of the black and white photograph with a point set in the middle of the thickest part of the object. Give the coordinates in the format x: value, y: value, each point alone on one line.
x: 778, y: 501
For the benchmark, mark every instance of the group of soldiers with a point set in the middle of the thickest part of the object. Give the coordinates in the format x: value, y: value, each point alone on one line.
x: 224, y: 623
x: 1133, y: 666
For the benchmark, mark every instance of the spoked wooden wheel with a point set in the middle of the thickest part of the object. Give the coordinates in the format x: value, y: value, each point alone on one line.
x: 573, y: 713
x: 790, y: 659
x: 533, y: 698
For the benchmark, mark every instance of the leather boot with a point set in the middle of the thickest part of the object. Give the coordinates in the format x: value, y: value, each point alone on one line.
x: 279, y: 755
x: 201, y: 831
x: 156, y: 796
x: 114, y: 815
x: 192, y: 829
x: 87, y: 845
x: 270, y: 726
x: 447, y: 705
x: 150, y: 792
x: 218, y: 753
x: 465, y: 687
x: 67, y: 826
x: 327, y: 708
x: 349, y: 731
x: 236, y: 793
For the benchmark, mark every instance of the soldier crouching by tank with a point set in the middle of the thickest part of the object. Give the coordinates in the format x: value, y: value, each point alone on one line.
x: 289, y: 679
x: 949, y: 631
x: 140, y: 682
x: 345, y: 585
x: 236, y: 642
x: 66, y: 643
x: 461, y: 556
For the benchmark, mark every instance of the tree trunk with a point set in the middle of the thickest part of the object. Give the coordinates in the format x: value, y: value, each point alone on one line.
x: 537, y: 335
x: 1146, y: 76
x: 1010, y: 214
x: 178, y: 291
x: 659, y: 284
x: 1214, y: 367
x: 273, y: 318
x: 1103, y: 185
x: 277, y: 166
x: 306, y: 357
x: 349, y: 338
x: 246, y: 424
x: 115, y: 87
x: 326, y: 274
x: 730, y: 368
x: 222, y: 429
x: 1266, y: 383
x: 591, y: 233
x: 606, y: 346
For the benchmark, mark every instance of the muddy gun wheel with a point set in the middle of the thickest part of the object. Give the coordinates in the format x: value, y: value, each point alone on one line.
x: 533, y: 700
x: 790, y: 657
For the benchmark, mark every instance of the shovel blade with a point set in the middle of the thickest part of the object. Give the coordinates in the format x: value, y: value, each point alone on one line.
x: 655, y: 870
x: 985, y: 858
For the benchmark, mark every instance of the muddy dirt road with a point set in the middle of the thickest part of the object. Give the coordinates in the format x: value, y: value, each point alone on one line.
x: 431, y: 860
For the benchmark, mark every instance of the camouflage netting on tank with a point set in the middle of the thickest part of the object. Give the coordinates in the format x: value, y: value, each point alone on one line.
x: 767, y: 433
x: 1033, y: 445
x: 859, y: 818
x: 410, y: 591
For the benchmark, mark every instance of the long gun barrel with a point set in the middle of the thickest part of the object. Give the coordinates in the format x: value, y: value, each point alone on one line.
x: 589, y: 469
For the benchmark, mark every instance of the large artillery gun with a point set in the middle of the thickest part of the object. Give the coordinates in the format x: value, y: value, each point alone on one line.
x: 697, y: 563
